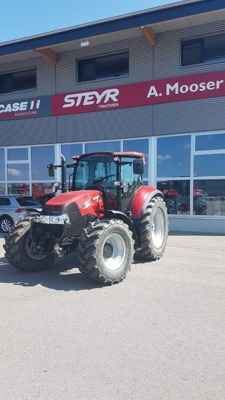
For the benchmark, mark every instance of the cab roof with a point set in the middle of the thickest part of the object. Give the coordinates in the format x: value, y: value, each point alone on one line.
x: 112, y: 153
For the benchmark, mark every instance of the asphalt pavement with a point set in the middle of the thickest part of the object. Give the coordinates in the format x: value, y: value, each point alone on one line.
x: 159, y: 335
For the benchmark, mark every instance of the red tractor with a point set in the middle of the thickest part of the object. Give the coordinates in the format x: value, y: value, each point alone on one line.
x: 107, y: 217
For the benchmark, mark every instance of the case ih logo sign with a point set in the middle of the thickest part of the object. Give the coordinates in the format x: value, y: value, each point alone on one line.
x: 141, y: 94
x: 35, y: 107
x: 161, y: 91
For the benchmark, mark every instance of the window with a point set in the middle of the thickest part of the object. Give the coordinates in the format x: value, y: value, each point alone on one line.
x: 17, y: 154
x: 18, y: 81
x: 209, y: 197
x: 173, y: 157
x: 27, y: 201
x: 70, y: 150
x: 173, y: 161
x: 18, y: 188
x: 105, y: 67
x: 5, y: 201
x: 176, y: 196
x: 209, y: 165
x: 210, y: 142
x: 203, y: 50
x: 17, y: 172
x: 209, y: 172
x: 41, y: 156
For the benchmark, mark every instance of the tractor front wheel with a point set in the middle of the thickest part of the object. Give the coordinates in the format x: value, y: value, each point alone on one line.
x: 22, y: 252
x: 105, y: 251
x: 153, y: 230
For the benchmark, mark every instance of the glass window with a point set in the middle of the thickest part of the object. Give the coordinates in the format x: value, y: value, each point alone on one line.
x: 191, y: 52
x: 2, y: 164
x: 70, y: 150
x: 93, y: 172
x: 102, y: 146
x: 2, y: 188
x: 209, y: 165
x: 203, y: 50
x: 5, y: 201
x: 176, y: 196
x: 18, y: 172
x: 41, y: 157
x: 173, y: 156
x: 210, y: 142
x: 18, y: 81
x: 27, y: 201
x: 17, y: 154
x: 214, y: 47
x: 19, y: 188
x: 140, y: 145
x: 209, y: 197
x: 42, y: 191
x: 105, y: 67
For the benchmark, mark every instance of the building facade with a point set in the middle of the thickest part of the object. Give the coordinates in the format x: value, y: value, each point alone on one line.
x: 151, y: 81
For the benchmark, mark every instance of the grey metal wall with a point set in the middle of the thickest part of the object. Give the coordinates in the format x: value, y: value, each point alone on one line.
x: 119, y: 124
x: 28, y: 131
x: 146, y: 64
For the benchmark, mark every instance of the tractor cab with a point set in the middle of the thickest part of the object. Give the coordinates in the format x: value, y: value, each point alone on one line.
x: 116, y: 175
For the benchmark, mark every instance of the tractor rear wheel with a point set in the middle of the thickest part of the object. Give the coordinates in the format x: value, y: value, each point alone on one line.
x: 105, y: 251
x: 22, y: 253
x: 153, y: 230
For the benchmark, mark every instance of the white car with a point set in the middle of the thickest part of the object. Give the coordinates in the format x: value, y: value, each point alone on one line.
x: 13, y: 208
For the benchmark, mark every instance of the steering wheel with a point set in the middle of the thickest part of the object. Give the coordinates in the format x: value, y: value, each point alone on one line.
x: 105, y: 179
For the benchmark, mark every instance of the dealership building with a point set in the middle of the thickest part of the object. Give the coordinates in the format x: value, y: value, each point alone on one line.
x: 151, y: 81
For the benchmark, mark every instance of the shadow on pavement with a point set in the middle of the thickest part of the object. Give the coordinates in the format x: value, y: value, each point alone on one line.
x: 62, y: 276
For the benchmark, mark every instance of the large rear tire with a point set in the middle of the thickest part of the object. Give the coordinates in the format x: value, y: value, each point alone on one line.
x: 153, y: 230
x: 22, y: 253
x: 105, y: 251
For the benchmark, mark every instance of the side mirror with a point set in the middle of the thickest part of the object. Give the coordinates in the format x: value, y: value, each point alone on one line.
x: 51, y: 170
x: 138, y: 166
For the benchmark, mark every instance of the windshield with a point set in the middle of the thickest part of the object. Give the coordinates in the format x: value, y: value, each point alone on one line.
x: 95, y: 172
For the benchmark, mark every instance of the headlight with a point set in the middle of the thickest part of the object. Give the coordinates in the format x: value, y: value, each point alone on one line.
x: 55, y: 219
x: 45, y: 219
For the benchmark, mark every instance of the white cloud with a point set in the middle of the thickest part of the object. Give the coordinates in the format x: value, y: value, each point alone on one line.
x: 14, y: 172
x: 165, y: 157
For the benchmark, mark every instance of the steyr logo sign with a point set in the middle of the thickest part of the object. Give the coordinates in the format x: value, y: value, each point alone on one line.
x: 89, y: 98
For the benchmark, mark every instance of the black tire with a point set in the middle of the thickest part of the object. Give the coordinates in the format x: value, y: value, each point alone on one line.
x: 153, y: 230
x: 105, y: 251
x: 6, y: 224
x: 18, y: 249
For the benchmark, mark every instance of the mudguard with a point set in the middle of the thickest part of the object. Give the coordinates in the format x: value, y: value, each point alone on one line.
x: 141, y: 199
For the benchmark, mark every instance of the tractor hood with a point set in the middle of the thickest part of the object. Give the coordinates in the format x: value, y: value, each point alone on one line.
x: 84, y: 201
x: 77, y: 197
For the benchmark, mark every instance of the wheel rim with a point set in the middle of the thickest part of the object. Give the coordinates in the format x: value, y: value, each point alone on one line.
x: 114, y: 250
x: 6, y: 225
x: 34, y: 251
x: 158, y: 230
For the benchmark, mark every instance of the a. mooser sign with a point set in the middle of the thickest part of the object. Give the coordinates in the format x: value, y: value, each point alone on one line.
x: 160, y: 91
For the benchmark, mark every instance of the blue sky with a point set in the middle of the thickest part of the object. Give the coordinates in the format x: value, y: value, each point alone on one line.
x: 19, y: 19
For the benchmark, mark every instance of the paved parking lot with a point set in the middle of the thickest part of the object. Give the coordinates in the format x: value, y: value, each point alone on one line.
x: 157, y: 335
